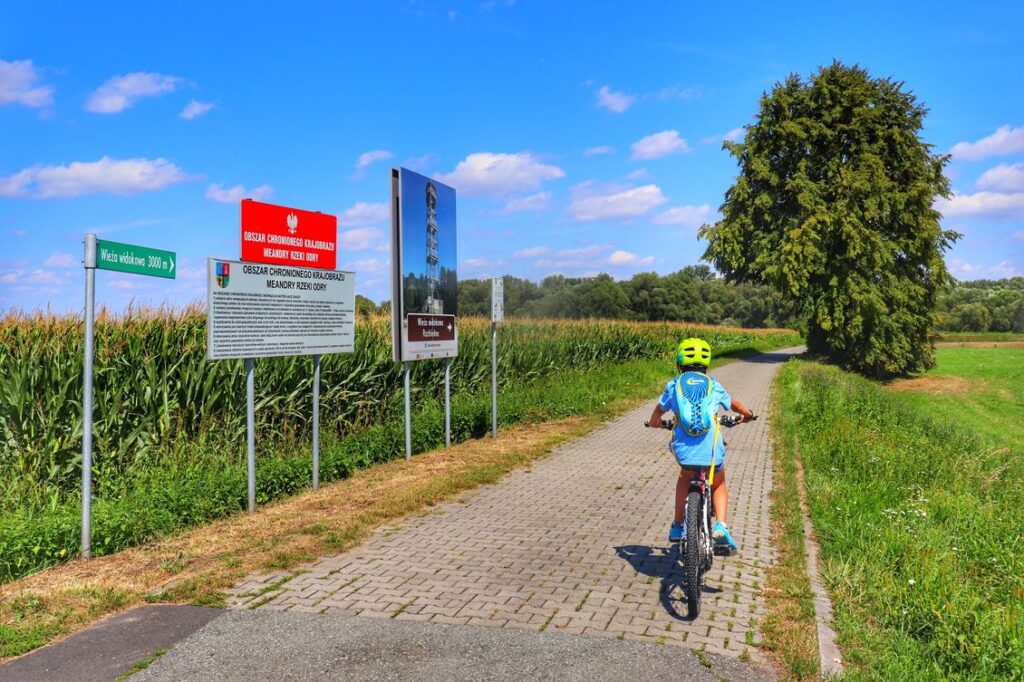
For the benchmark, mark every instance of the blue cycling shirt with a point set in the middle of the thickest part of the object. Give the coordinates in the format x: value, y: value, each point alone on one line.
x: 696, y: 450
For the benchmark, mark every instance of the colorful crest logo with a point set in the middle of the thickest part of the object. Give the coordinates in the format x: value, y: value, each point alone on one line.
x: 223, y: 274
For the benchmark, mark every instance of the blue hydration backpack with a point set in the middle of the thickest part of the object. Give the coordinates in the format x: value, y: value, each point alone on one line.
x: 696, y: 411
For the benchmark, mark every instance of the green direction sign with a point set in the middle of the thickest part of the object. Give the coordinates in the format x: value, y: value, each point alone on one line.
x: 138, y: 260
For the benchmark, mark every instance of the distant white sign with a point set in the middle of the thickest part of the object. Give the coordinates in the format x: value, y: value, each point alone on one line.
x: 262, y: 311
x: 497, y: 299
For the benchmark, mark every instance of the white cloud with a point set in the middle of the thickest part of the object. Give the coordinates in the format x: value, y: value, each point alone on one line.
x: 108, y: 176
x: 581, y: 258
x: 639, y: 174
x: 195, y: 109
x: 420, y: 164
x: 367, y: 159
x: 1005, y: 140
x: 532, y: 202
x: 617, y: 102
x: 1018, y: 235
x: 19, y: 84
x: 486, y: 173
x: 982, y: 204
x: 233, y: 195
x: 59, y: 259
x: 532, y: 252
x: 659, y: 145
x: 368, y: 265
x: 17, y: 233
x: 598, y: 150
x: 734, y: 135
x: 627, y: 258
x: 25, y: 281
x: 1003, y: 178
x: 363, y: 213
x: 592, y: 201
x: 362, y: 239
x: 685, y: 216
x: 122, y: 92
x: 1005, y: 269
x: 678, y: 92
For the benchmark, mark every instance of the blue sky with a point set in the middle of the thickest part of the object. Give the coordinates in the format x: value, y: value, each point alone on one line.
x: 581, y: 137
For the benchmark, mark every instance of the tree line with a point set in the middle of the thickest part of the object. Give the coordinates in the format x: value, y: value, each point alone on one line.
x: 697, y: 294
x: 994, y: 305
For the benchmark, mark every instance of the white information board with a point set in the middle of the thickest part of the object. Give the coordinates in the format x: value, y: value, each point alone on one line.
x: 498, y: 299
x: 261, y: 311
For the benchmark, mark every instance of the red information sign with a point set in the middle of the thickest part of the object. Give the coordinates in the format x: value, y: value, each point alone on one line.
x: 288, y: 236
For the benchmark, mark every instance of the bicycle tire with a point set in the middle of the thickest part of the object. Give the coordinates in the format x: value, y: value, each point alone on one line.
x: 693, y: 558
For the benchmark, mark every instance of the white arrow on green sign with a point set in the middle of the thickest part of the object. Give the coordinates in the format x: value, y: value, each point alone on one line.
x: 138, y: 260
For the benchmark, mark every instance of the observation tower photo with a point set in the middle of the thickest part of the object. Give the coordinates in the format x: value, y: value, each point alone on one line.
x: 434, y: 305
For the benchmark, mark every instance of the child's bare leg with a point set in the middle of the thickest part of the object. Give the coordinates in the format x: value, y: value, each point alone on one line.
x: 720, y: 496
x: 682, y: 488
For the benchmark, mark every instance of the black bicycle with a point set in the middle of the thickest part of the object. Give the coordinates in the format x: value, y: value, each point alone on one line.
x: 696, y: 549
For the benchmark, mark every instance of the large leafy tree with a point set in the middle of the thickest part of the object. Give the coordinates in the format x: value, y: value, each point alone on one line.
x: 832, y: 208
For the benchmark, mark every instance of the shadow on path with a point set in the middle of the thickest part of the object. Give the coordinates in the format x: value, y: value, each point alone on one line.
x: 663, y: 563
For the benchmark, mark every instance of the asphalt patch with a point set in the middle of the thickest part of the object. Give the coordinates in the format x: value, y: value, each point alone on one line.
x: 274, y: 645
x: 110, y: 647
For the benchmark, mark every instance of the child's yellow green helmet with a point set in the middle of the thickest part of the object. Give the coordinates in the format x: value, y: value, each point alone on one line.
x: 693, y: 351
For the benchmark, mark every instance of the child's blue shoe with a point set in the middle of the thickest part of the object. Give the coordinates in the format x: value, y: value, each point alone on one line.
x: 721, y: 535
x: 676, y: 532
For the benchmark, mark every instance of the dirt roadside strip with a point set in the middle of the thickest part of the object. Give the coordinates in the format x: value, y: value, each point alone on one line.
x: 982, y: 344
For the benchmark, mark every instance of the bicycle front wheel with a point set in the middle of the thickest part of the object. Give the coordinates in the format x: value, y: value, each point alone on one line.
x: 694, y: 565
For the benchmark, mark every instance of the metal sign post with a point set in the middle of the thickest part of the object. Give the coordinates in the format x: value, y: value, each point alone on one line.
x: 250, y: 429
x: 103, y: 255
x: 316, y: 422
x: 90, y: 318
x: 447, y: 402
x: 408, y: 413
x: 494, y: 379
x: 497, y: 315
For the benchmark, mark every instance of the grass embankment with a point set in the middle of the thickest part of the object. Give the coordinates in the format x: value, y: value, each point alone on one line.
x: 915, y: 490
x: 170, y: 425
x: 789, y: 626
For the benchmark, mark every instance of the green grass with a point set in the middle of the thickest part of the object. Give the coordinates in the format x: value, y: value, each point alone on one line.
x: 916, y: 501
x: 995, y: 388
x: 141, y: 665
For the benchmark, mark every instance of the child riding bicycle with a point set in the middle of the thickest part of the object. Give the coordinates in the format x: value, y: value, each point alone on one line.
x: 694, y: 398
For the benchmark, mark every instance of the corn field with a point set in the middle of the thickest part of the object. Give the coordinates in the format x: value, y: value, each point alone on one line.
x: 155, y: 391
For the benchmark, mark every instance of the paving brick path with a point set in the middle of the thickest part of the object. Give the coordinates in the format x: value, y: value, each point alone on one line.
x: 575, y: 544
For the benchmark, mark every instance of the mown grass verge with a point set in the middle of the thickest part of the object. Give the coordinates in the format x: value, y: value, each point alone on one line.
x: 917, y: 512
x: 789, y: 627
x: 195, y: 566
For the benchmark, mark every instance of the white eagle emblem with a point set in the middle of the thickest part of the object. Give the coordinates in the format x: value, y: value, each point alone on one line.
x: 293, y: 223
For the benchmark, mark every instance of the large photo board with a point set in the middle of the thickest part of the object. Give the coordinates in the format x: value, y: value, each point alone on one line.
x: 423, y: 264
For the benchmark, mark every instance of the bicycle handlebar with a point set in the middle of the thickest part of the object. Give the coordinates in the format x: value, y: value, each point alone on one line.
x: 727, y: 421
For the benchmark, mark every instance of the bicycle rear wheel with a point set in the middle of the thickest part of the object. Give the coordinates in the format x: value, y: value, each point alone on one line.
x: 693, y: 556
